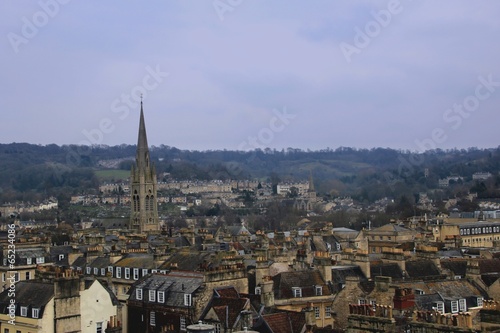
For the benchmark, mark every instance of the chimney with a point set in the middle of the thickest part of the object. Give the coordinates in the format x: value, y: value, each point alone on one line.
x: 310, y: 315
x: 382, y: 283
x: 267, y: 295
x: 246, y: 319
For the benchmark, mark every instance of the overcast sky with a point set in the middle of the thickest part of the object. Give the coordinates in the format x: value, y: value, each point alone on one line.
x: 244, y: 74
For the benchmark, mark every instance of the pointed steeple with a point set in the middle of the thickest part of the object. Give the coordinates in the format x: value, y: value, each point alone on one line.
x: 311, y: 183
x: 142, y: 157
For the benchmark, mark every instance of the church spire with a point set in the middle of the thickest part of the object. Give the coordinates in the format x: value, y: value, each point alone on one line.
x: 311, y: 183
x: 142, y: 158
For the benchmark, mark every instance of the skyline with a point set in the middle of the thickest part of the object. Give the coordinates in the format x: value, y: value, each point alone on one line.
x: 240, y: 75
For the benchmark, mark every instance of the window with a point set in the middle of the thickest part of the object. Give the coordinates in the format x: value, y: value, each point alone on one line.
x: 110, y: 269
x: 318, y: 290
x: 144, y: 271
x: 152, y: 296
x: 480, y: 302
x: 127, y: 273
x: 35, y: 312
x: 297, y: 292
x: 96, y: 270
x: 328, y: 311
x: 40, y: 260
x: 118, y: 272
x: 29, y: 261
x: 27, y: 275
x: 136, y: 273
x: 454, y: 306
x: 6, y: 330
x: 258, y: 290
x: 24, y: 311
x: 88, y: 270
x: 183, y: 324
x: 316, y: 312
x: 154, y: 271
x: 419, y: 292
x: 187, y: 299
x: 152, y: 318
x: 161, y: 297
x: 98, y: 327
x: 439, y: 306
x: 361, y: 301
x: 462, y: 305
x: 138, y: 294
x: 217, y: 328
x: 103, y: 271
x: 61, y: 257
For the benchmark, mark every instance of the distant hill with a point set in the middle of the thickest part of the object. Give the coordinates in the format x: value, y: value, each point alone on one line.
x: 367, y: 174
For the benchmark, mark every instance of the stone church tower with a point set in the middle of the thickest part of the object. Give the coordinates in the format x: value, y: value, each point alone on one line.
x: 143, y: 184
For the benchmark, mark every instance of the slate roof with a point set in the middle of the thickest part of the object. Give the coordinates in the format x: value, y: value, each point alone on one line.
x: 453, y: 288
x: 458, y: 267
x: 339, y: 274
x: 175, y: 285
x: 307, y: 280
x: 426, y: 301
x: 186, y: 261
x: 422, y: 269
x: 80, y: 262
x: 137, y: 260
x: 100, y: 262
x: 386, y: 269
x: 487, y: 266
x: 30, y: 293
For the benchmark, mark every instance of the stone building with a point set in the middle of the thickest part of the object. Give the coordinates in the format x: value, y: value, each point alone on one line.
x: 143, y: 186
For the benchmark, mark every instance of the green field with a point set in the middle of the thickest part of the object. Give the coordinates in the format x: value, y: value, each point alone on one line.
x: 112, y: 175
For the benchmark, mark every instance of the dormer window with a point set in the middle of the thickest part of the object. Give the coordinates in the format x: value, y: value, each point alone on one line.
x: 144, y: 271
x: 462, y: 305
x: 35, y: 312
x: 318, y: 290
x: 454, y: 306
x: 480, y: 302
x: 152, y: 296
x: 439, y: 306
x: 61, y: 257
x: 297, y: 292
x: 29, y: 261
x: 258, y: 290
x: 127, y: 273
x: 136, y: 273
x: 24, y: 311
x: 161, y: 297
x: 138, y: 294
x: 40, y: 260
x: 88, y: 270
x: 103, y: 271
x: 118, y: 272
x: 187, y: 300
